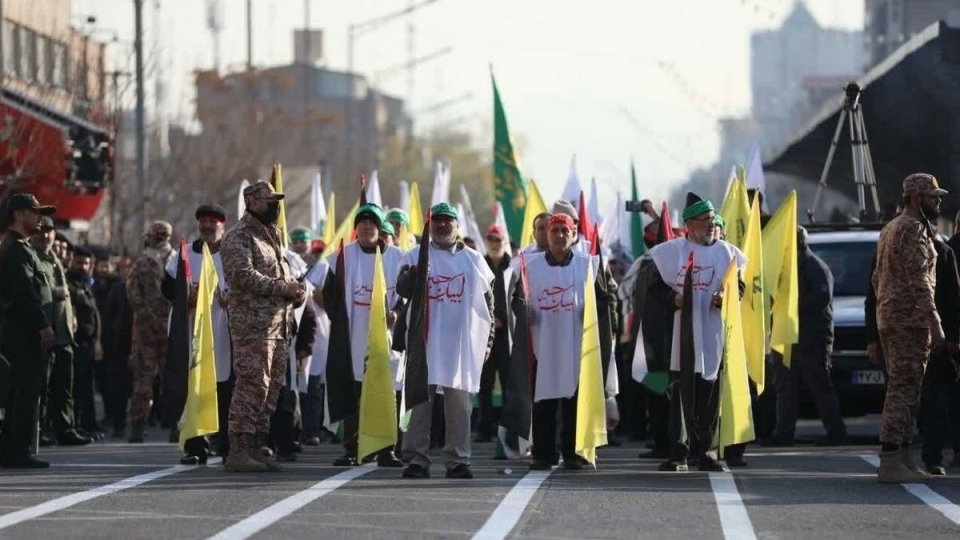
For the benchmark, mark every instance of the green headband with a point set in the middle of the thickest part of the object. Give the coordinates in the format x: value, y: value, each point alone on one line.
x: 301, y: 236
x: 718, y: 221
x: 398, y: 215
x: 697, y: 208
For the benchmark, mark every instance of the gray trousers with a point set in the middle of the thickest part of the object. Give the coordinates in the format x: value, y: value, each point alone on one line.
x: 457, y: 407
x: 812, y: 367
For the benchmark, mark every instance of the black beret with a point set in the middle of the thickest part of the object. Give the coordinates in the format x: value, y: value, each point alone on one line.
x: 212, y: 210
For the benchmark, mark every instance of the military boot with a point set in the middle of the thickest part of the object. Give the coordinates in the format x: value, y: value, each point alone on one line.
x: 256, y: 443
x: 136, y: 432
x: 893, y: 470
x: 239, y: 459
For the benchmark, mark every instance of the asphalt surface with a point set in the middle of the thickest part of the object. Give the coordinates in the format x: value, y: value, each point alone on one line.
x: 100, y: 491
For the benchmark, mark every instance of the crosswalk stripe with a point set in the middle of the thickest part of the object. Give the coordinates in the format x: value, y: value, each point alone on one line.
x: 733, y: 514
x: 921, y: 491
x: 277, y: 511
x: 511, y: 508
x: 33, y: 512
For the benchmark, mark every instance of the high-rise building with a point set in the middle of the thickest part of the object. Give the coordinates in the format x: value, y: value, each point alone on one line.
x: 890, y: 23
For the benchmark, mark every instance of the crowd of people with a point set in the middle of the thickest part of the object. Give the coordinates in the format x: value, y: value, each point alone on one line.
x: 500, y: 335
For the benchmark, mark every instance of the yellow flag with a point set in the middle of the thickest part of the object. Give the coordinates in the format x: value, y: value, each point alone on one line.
x: 344, y: 232
x: 415, y: 212
x: 378, y: 406
x: 780, y: 276
x: 277, y: 181
x: 736, y: 420
x: 591, y: 407
x: 754, y: 318
x: 200, y: 412
x: 736, y: 212
x: 330, y: 227
x: 535, y: 207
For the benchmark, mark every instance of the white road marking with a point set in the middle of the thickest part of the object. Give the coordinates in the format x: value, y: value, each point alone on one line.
x: 33, y: 512
x: 921, y: 491
x: 733, y: 514
x: 511, y: 508
x: 274, y: 513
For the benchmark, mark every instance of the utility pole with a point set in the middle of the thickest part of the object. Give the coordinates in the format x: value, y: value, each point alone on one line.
x: 3, y: 53
x: 141, y: 128
x: 249, y: 35
x: 411, y: 44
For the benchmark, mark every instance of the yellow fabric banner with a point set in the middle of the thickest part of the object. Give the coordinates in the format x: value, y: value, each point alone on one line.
x: 200, y: 415
x: 752, y: 314
x: 277, y: 180
x: 591, y: 406
x: 736, y: 212
x: 535, y: 207
x: 780, y: 276
x: 416, y: 211
x: 378, y: 406
x: 344, y: 232
x: 330, y: 227
x: 736, y: 421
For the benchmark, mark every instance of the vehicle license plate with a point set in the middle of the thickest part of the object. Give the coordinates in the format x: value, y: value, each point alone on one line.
x: 868, y: 377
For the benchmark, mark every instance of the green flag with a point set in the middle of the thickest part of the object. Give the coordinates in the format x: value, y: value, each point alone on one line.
x: 510, y: 189
x: 636, y: 225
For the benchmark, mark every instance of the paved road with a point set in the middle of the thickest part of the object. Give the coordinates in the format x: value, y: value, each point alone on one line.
x: 120, y: 491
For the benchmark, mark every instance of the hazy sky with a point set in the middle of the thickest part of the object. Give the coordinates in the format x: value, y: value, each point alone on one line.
x: 567, y: 69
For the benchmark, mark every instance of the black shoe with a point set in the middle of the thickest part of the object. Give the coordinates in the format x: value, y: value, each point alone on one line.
x: 936, y: 470
x: 311, y: 440
x: 46, y: 440
x: 653, y: 454
x: 388, y: 459
x: 296, y: 447
x: 540, y: 465
x: 72, y: 438
x: 28, y: 462
x: 346, y: 461
x: 415, y: 471
x: 674, y: 465
x: 711, y: 465
x: 460, y: 470
x: 193, y: 460
x: 286, y: 456
x: 573, y: 464
x: 737, y: 461
x: 136, y: 432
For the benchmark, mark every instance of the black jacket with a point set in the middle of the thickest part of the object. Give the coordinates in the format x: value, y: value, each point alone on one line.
x: 816, y: 302
x: 85, y: 309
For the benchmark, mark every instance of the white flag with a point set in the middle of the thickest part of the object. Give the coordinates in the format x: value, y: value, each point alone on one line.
x: 242, y: 206
x: 571, y: 191
x: 469, y: 220
x: 755, y: 178
x: 593, y: 205
x: 501, y: 220
x: 373, y: 190
x: 318, y: 208
x: 405, y: 196
x: 441, y: 186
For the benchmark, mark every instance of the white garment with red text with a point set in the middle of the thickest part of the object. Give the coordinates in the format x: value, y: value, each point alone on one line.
x: 318, y: 359
x: 358, y: 283
x: 709, y: 265
x: 555, y: 304
x: 459, y: 319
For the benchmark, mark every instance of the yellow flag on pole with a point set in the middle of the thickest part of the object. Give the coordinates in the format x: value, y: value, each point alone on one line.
x: 416, y: 212
x: 277, y: 181
x: 344, y: 232
x: 591, y: 404
x: 330, y: 227
x: 535, y: 207
x: 378, y: 406
x: 200, y: 415
x: 736, y: 212
x: 753, y: 316
x: 736, y: 421
x: 781, y: 282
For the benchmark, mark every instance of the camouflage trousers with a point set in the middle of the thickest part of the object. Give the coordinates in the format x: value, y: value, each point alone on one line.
x: 259, y: 368
x: 147, y: 359
x: 906, y: 351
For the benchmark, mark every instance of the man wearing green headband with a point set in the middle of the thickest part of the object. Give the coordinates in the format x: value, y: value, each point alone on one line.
x: 401, y: 226
x: 710, y: 258
x: 358, y: 266
x: 458, y: 316
x: 300, y: 238
x: 388, y: 234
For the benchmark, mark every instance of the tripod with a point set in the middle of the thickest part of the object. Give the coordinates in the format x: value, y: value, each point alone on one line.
x: 863, y: 176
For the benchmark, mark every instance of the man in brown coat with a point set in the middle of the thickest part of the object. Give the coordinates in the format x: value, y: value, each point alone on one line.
x: 263, y: 293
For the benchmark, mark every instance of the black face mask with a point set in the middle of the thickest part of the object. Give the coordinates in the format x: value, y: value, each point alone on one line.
x: 272, y: 212
x: 78, y: 275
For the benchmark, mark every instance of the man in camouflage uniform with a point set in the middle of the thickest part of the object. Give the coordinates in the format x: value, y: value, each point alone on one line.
x: 263, y: 293
x: 150, y: 312
x: 56, y: 401
x: 909, y: 326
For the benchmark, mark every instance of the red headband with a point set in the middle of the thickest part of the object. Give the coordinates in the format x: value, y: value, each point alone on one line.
x: 561, y: 219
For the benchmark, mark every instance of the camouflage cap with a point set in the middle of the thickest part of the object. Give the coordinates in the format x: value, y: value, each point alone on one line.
x: 262, y: 190
x: 922, y: 184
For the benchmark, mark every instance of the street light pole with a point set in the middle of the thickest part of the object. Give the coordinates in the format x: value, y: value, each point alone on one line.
x: 141, y: 128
